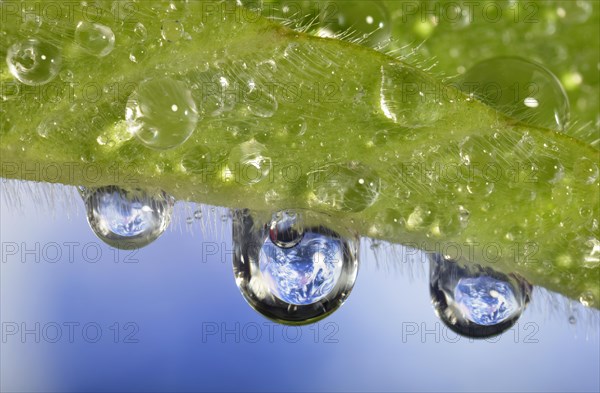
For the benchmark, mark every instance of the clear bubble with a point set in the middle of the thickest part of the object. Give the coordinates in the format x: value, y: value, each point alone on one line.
x: 172, y: 30
x: 409, y: 97
x: 286, y: 229
x: 350, y: 187
x: 31, y: 24
x: 161, y: 113
x: 296, y: 285
x: 33, y: 62
x: 476, y: 301
x: 95, y: 38
x: 249, y: 162
x: 519, y: 88
x: 127, y: 219
x: 261, y: 103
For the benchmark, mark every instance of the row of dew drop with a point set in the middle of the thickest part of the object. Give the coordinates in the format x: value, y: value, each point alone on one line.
x: 294, y: 270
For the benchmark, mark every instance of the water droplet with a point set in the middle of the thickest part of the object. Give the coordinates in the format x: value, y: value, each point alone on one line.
x: 249, y: 162
x: 31, y: 24
x: 198, y: 214
x: 127, y: 219
x: 286, y: 229
x: 366, y: 22
x: 197, y: 160
x: 261, y: 103
x: 150, y: 116
x: 519, y: 88
x: 586, y: 170
x: 66, y: 75
x: 189, y: 220
x: 297, y: 127
x: 295, y: 285
x: 172, y: 30
x: 409, y: 97
x: 140, y: 31
x: 587, y: 299
x: 138, y: 53
x: 572, y: 320
x: 51, y: 126
x: 350, y: 187
x: 95, y: 38
x: 476, y: 301
x: 33, y: 62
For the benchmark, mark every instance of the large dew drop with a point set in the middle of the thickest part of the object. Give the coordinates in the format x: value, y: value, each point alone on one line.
x: 161, y: 113
x: 295, y: 284
x: 475, y: 301
x: 94, y: 38
x: 127, y: 219
x: 519, y: 88
x: 33, y: 62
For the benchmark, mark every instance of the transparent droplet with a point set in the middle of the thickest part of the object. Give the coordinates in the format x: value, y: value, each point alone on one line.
x: 408, y: 97
x: 519, y: 88
x: 586, y: 170
x: 31, y: 24
x: 296, y: 285
x: 172, y: 30
x: 587, y: 299
x: 198, y: 214
x: 261, y: 103
x: 365, y: 22
x: 33, y: 62
x: 197, y: 160
x: 140, y: 31
x: 476, y: 301
x: 286, y: 229
x: 249, y: 162
x: 350, y: 187
x: 572, y: 320
x: 95, y: 38
x: 127, y: 219
x: 51, y: 126
x: 161, y: 113
x: 138, y: 53
x: 297, y: 127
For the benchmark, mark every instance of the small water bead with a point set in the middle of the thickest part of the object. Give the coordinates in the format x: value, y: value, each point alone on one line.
x: 50, y: 127
x: 33, y: 62
x: 261, y: 103
x: 402, y: 103
x: 161, y: 113
x: 350, y: 187
x: 31, y: 24
x: 172, y: 30
x: 294, y: 285
x: 367, y: 22
x: 127, y: 219
x: 572, y: 320
x: 140, y: 31
x: 249, y: 162
x: 519, y: 88
x: 198, y: 214
x: 587, y: 299
x: 286, y: 229
x: 475, y: 301
x: 586, y: 171
x: 95, y: 38
x: 197, y: 160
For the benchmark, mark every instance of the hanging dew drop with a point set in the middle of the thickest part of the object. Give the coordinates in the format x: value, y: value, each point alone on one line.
x: 519, y: 88
x: 294, y: 285
x: 475, y: 301
x: 127, y: 219
x: 95, y: 38
x: 161, y: 113
x: 33, y: 62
